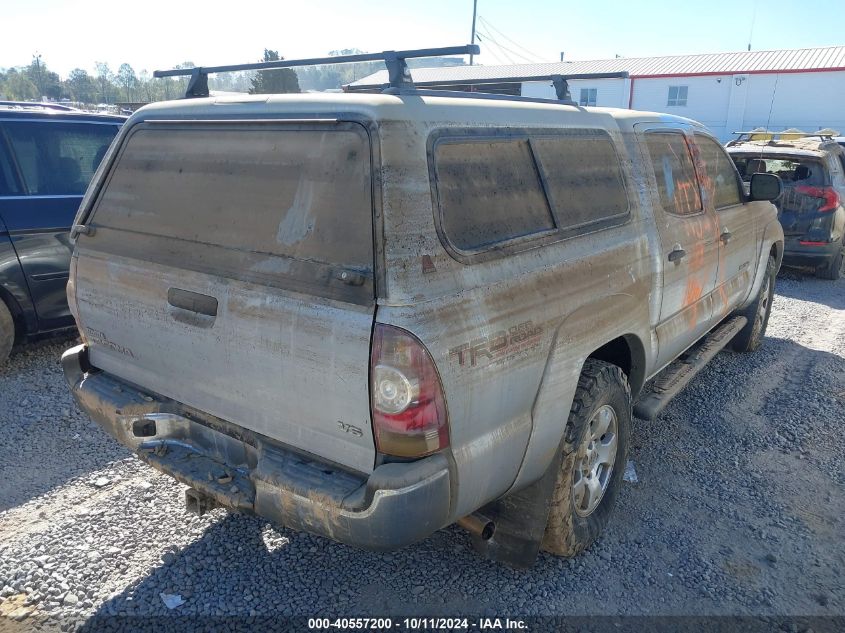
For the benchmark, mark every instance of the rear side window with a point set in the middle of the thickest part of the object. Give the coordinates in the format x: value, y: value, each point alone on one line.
x: 58, y: 158
x: 721, y: 182
x: 301, y: 194
x: 583, y: 177
x: 673, y: 169
x: 492, y: 190
x: 8, y: 180
x: 489, y: 192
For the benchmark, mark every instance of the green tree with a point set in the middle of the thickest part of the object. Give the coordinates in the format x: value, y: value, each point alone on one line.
x: 105, y: 77
x: 18, y: 87
x: 146, y: 86
x: 280, y: 80
x: 81, y: 86
x: 47, y: 83
x: 127, y: 80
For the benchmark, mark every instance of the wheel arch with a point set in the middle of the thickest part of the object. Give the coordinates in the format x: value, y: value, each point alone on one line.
x: 614, y: 329
x: 776, y: 251
x: 628, y: 353
x: 18, y: 316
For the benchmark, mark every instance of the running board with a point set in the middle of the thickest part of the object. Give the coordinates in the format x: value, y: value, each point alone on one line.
x: 669, y: 382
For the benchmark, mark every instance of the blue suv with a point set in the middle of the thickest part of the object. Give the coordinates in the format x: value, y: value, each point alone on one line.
x: 48, y: 154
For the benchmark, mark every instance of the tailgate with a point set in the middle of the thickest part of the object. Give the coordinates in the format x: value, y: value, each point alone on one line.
x: 231, y: 269
x: 797, y: 209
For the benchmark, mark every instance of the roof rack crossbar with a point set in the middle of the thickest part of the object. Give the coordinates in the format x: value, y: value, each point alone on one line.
x: 397, y: 68
x: 742, y: 137
x: 489, y: 96
x: 561, y: 88
x: 559, y: 81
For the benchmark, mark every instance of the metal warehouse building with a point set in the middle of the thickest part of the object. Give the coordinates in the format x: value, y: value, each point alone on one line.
x: 728, y: 92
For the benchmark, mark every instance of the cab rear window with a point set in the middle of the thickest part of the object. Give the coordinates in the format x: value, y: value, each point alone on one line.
x: 504, y: 192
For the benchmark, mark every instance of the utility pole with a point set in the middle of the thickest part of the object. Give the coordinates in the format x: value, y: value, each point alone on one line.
x: 472, y: 39
x: 37, y: 61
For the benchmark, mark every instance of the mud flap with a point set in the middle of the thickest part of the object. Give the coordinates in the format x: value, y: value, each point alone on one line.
x: 520, y: 520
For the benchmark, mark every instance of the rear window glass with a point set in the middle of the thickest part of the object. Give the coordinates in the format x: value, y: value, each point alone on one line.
x: 297, y: 193
x: 489, y: 192
x: 58, y: 158
x: 792, y: 171
x: 673, y: 169
x: 583, y: 177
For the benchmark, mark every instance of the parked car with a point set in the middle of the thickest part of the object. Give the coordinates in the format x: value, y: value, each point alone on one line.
x: 812, y: 208
x: 48, y: 154
x: 370, y: 316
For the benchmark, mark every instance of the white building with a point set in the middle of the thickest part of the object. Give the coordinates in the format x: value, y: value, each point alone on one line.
x: 728, y: 92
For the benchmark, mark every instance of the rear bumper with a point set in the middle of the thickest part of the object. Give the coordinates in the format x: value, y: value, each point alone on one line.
x: 797, y: 254
x: 396, y: 505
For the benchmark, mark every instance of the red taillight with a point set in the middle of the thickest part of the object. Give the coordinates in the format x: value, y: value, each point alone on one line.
x: 409, y: 411
x: 830, y: 199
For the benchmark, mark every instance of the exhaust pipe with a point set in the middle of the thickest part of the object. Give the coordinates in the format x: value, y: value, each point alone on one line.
x: 198, y: 503
x: 478, y: 525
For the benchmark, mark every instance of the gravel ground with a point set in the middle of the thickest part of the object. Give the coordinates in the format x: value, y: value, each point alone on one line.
x: 738, y: 510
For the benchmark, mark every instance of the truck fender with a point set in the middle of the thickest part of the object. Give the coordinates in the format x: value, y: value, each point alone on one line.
x: 521, y: 515
x: 579, y: 335
x: 772, y: 238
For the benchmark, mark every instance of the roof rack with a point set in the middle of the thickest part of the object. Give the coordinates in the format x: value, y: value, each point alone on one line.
x: 762, y: 134
x: 559, y: 81
x: 397, y: 68
x: 38, y: 104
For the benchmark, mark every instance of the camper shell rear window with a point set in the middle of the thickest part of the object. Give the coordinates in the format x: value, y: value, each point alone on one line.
x: 288, y: 203
x: 502, y: 191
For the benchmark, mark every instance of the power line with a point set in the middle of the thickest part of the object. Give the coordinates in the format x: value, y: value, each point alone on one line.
x: 491, y: 50
x: 505, y: 48
x: 495, y: 43
x: 490, y: 26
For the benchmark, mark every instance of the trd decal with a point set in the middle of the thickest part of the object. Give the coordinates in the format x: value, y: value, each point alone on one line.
x: 498, y: 345
x: 101, y: 339
x: 349, y: 428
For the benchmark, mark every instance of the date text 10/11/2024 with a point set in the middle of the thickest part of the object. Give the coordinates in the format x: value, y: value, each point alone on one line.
x: 417, y: 624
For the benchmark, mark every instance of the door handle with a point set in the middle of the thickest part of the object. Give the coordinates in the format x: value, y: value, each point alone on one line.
x: 725, y: 236
x: 677, y: 254
x: 192, y: 301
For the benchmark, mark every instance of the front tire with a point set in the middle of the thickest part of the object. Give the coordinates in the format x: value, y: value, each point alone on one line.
x: 593, y: 464
x: 7, y: 332
x: 751, y: 336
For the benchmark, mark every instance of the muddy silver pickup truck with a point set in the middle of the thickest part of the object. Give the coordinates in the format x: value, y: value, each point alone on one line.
x: 370, y: 316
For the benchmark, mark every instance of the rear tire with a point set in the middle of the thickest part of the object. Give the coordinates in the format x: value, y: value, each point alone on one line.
x: 751, y: 336
x: 587, y: 486
x: 833, y: 270
x: 7, y: 332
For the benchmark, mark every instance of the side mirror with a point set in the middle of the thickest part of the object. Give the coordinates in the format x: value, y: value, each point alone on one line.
x: 766, y: 187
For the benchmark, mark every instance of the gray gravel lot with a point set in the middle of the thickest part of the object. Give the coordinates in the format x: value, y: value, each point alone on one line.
x: 738, y: 510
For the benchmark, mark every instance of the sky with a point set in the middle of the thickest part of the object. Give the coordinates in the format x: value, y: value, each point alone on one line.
x: 160, y: 34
